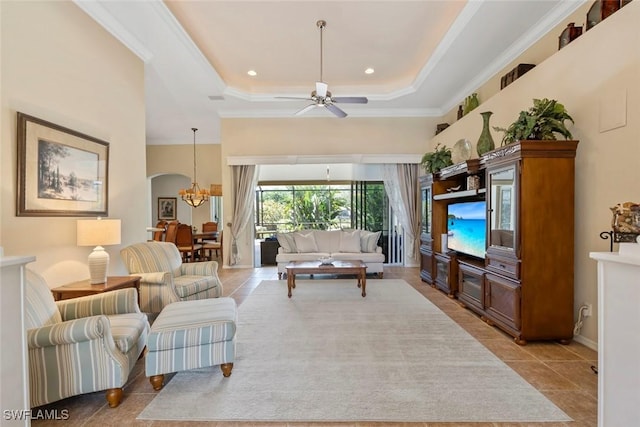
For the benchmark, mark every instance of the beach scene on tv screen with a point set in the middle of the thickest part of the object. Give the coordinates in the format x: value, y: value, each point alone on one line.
x: 466, y: 227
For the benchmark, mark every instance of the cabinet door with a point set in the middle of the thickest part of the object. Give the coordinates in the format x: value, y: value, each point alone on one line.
x: 426, y: 209
x: 446, y: 274
x: 502, y: 301
x: 471, y: 286
x: 502, y: 193
x: 426, y: 263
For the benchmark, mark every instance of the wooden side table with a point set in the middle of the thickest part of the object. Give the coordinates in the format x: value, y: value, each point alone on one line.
x: 83, y: 287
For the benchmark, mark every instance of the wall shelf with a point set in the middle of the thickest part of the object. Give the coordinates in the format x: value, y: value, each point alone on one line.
x: 459, y: 194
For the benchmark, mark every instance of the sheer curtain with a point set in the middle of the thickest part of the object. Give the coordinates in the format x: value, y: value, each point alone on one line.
x: 401, y: 186
x: 243, y: 181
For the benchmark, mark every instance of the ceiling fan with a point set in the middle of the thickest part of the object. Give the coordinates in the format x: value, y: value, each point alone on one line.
x: 321, y: 96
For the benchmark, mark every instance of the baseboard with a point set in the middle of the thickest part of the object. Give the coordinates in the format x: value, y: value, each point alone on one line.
x: 238, y: 266
x: 586, y: 342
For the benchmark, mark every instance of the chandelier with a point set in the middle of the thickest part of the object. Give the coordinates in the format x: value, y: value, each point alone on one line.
x: 194, y: 196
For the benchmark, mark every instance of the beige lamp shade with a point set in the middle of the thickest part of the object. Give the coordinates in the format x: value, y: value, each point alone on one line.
x: 98, y: 232
x: 216, y: 190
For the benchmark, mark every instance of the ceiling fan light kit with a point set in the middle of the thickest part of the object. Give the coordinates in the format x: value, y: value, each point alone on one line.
x: 321, y: 96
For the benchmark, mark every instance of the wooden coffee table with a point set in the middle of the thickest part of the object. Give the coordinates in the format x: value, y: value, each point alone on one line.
x: 358, y: 268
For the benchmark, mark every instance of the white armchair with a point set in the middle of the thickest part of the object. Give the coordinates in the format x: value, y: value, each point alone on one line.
x: 166, y: 279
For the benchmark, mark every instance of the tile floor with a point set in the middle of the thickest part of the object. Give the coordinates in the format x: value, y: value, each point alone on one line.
x: 561, y: 372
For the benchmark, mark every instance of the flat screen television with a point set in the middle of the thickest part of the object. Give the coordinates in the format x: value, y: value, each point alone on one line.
x: 467, y: 228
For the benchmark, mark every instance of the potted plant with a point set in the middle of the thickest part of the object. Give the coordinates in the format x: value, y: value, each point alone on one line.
x: 434, y: 161
x: 541, y: 122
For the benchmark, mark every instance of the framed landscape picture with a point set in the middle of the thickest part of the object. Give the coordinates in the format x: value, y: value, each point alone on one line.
x: 61, y: 172
x: 167, y: 208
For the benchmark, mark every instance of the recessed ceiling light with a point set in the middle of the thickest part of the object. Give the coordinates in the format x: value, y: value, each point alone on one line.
x: 252, y: 73
x: 369, y: 71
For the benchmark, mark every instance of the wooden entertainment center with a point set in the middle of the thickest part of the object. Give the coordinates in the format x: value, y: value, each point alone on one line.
x: 524, y: 284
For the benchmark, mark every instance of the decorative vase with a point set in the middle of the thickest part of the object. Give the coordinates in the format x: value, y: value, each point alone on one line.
x: 470, y: 102
x: 485, y: 142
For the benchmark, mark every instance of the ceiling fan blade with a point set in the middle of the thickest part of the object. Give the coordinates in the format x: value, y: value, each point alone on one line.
x: 350, y: 99
x: 305, y: 109
x: 335, y: 110
x: 321, y: 89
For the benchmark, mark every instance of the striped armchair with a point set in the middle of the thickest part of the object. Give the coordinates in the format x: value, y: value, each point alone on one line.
x: 81, y: 345
x: 165, y: 279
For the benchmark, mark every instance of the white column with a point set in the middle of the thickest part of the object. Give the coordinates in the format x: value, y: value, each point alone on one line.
x: 618, y: 339
x: 14, y: 391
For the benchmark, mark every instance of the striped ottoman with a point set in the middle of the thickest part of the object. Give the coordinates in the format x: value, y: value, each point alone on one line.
x: 192, y: 334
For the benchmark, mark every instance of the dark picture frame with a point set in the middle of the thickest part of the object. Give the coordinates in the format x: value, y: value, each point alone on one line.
x: 167, y: 207
x: 61, y: 172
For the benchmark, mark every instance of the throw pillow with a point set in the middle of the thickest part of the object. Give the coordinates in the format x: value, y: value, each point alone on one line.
x: 350, y: 241
x: 305, y: 242
x: 369, y: 240
x: 287, y: 242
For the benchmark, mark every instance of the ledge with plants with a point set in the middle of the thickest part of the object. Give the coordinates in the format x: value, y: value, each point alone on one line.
x: 542, y: 122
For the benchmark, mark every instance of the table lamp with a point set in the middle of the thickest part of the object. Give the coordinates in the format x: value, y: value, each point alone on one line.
x: 98, y: 232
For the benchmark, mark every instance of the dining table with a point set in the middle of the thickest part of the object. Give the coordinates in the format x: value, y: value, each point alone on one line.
x: 205, y: 235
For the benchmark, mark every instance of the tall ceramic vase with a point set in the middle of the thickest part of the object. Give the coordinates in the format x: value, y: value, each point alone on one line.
x: 485, y: 142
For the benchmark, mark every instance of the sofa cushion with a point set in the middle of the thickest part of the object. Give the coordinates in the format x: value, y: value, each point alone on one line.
x: 350, y: 241
x: 190, y: 285
x: 126, y: 329
x: 308, y: 256
x: 362, y: 256
x: 327, y: 240
x: 305, y: 242
x: 369, y: 240
x: 287, y: 242
x: 40, y: 309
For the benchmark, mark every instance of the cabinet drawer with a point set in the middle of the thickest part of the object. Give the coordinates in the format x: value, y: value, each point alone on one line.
x: 502, y: 301
x: 505, y: 266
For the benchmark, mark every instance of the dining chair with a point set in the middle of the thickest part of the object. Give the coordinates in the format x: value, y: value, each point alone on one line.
x: 184, y: 241
x: 172, y: 230
x: 209, y: 246
x: 158, y: 235
x: 209, y: 226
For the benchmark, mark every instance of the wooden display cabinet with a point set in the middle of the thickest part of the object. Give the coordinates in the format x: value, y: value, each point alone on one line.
x: 524, y: 285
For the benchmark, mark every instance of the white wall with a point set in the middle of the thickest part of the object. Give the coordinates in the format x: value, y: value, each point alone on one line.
x: 597, y: 78
x: 60, y: 66
x: 168, y: 186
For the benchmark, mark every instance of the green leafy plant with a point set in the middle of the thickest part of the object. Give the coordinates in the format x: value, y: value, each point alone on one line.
x: 434, y: 161
x: 541, y: 122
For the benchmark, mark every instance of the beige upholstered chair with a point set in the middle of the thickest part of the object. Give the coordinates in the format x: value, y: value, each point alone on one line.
x: 81, y: 345
x: 165, y: 279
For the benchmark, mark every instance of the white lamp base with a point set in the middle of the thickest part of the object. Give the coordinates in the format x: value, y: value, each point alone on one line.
x: 98, y: 265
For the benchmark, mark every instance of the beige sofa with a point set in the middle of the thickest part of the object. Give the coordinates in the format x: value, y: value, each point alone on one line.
x: 347, y: 245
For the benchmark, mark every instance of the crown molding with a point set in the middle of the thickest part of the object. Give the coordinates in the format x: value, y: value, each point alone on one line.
x: 185, y: 40
x: 103, y: 17
x: 325, y: 159
x: 361, y: 112
x: 550, y: 21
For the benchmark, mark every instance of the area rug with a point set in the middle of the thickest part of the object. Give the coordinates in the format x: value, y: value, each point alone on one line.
x: 328, y: 354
